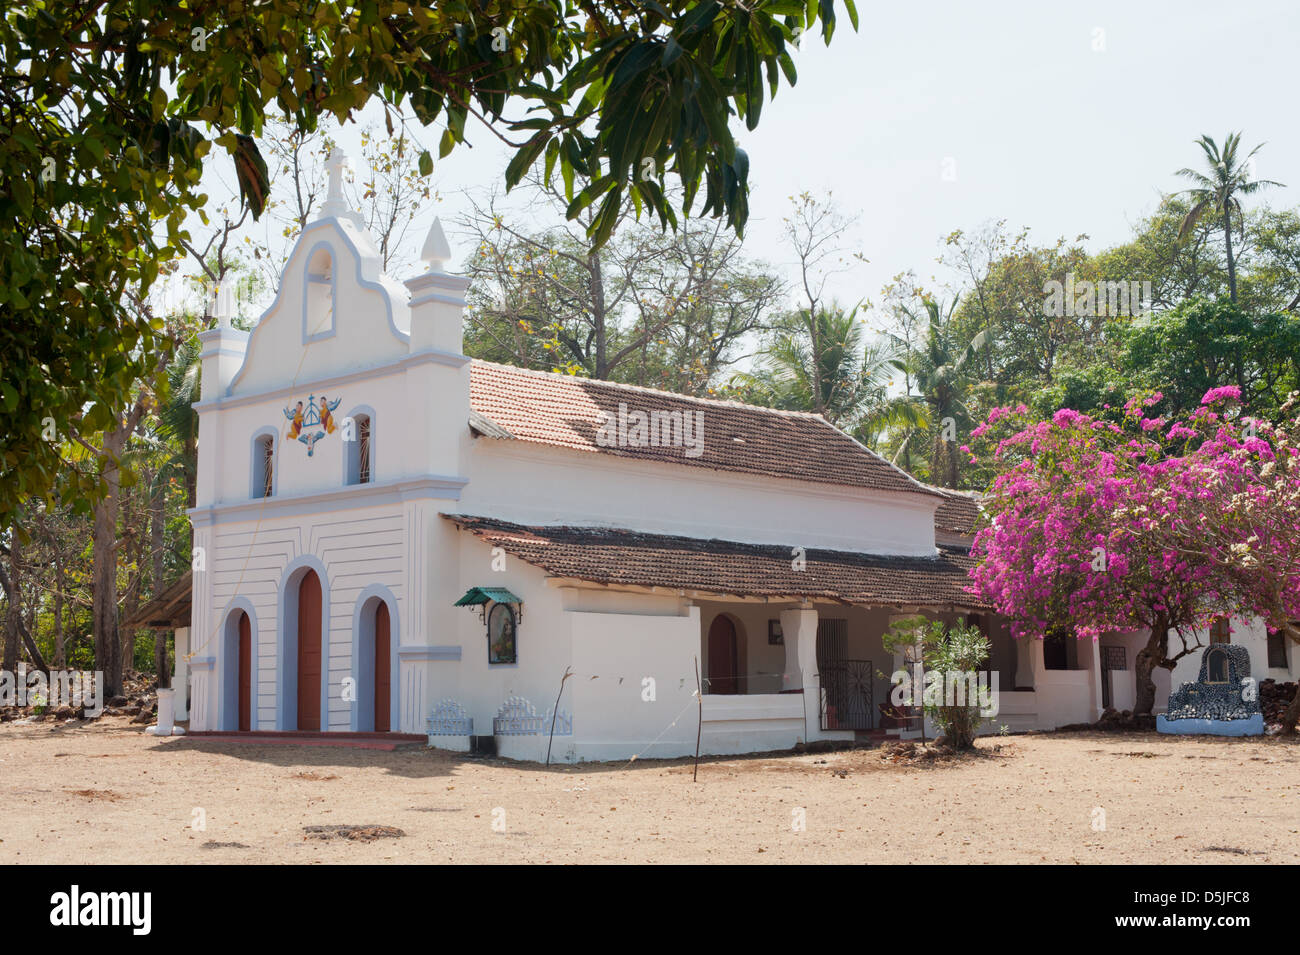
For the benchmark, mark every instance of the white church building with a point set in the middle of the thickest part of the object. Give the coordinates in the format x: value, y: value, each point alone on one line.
x: 394, y: 538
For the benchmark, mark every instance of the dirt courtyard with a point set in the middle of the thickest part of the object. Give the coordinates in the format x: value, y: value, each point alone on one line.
x: 108, y: 793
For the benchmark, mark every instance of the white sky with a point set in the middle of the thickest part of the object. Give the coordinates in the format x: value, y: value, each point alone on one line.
x: 1041, y: 129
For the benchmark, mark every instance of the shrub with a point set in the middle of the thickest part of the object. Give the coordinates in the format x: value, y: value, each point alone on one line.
x: 952, y: 651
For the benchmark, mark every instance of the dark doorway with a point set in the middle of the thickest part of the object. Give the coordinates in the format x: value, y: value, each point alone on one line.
x: 1056, y: 653
x: 245, y: 673
x: 309, y: 652
x: 383, y: 675
x: 722, y: 656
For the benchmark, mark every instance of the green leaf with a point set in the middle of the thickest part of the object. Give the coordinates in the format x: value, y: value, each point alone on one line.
x: 525, y: 157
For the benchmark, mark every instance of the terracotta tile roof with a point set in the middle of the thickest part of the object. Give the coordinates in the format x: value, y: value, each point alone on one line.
x: 167, y: 610
x: 958, y: 513
x: 615, y: 556
x: 564, y: 411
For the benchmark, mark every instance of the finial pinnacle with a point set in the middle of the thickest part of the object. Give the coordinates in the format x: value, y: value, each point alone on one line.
x: 224, y: 308
x: 335, y: 204
x: 436, y: 251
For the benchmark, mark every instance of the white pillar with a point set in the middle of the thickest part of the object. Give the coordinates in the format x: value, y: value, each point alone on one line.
x: 1025, y: 661
x: 166, y: 725
x: 799, y: 628
x: 1093, y: 658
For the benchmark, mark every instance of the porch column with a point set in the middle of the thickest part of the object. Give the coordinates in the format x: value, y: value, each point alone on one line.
x: 1025, y: 661
x: 1037, y: 662
x: 799, y: 628
x: 1095, y: 677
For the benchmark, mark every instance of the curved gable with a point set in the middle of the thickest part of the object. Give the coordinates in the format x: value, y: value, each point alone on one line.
x: 335, y: 312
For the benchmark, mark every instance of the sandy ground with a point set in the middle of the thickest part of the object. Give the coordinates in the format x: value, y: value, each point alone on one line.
x: 108, y: 793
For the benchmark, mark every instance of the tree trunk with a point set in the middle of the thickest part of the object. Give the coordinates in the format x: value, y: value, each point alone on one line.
x: 192, y: 472
x: 597, y: 286
x: 13, y: 619
x: 1232, y: 267
x: 108, y: 644
x: 1291, y: 715
x: 131, y: 600
x: 33, y: 651
x: 819, y: 405
x: 156, y: 518
x: 1148, y: 658
x: 60, y: 648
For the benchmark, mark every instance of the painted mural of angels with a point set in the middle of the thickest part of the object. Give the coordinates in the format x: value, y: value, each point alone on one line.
x: 295, y: 416
x: 303, y: 417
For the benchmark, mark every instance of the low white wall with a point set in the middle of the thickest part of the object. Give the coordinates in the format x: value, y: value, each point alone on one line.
x: 1064, y: 697
x: 750, y: 724
x: 1017, y: 711
x: 633, y: 691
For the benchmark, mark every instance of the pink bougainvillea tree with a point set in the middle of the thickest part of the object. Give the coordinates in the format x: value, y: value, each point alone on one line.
x: 1141, y: 523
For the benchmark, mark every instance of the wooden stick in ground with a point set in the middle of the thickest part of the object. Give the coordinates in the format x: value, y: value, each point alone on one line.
x: 699, y: 696
x: 554, y: 713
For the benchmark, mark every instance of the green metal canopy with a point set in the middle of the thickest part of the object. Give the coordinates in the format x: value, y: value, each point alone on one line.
x: 481, y: 595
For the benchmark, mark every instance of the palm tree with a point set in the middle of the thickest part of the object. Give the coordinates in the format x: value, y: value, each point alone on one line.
x: 178, y: 422
x: 938, y: 368
x: 1217, y: 192
x: 847, y: 381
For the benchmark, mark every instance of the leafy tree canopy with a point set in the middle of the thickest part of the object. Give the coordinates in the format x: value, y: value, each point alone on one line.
x: 108, y: 109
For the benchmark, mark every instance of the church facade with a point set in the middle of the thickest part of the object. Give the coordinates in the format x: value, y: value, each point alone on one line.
x: 394, y: 538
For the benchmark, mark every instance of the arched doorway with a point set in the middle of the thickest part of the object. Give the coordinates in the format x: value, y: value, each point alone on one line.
x: 383, y: 673
x: 723, y: 656
x: 237, y: 681
x: 245, y: 673
x: 309, y: 652
x: 377, y: 631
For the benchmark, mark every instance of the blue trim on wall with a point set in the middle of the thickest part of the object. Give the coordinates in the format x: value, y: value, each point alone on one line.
x: 321, y: 502
x: 347, y: 451
x: 363, y: 643
x: 286, y: 702
x: 310, y: 278
x: 429, y: 653
x: 392, y: 366
x: 1254, y: 726
x: 228, y: 672
x: 254, y: 477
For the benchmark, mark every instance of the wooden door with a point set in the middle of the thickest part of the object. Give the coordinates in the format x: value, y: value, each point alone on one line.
x: 722, y: 656
x: 309, y: 652
x: 383, y: 673
x: 245, y: 674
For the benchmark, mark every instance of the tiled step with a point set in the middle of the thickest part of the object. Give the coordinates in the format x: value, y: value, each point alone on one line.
x: 386, y: 742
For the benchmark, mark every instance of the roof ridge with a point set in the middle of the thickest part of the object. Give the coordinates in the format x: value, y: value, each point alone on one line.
x: 725, y: 402
x: 910, y: 483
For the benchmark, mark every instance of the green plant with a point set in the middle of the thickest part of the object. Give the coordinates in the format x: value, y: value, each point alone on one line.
x: 950, y: 656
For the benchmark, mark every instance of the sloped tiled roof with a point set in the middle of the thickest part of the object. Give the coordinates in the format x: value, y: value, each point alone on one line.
x: 168, y: 609
x: 564, y: 411
x: 957, y: 514
x: 632, y: 558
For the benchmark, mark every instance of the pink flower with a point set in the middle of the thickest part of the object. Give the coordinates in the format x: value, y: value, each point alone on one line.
x: 1224, y: 393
